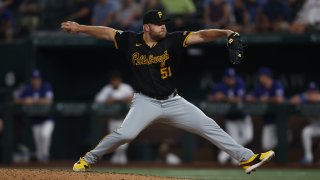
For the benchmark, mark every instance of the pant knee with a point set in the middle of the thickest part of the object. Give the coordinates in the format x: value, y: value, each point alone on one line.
x: 126, y: 138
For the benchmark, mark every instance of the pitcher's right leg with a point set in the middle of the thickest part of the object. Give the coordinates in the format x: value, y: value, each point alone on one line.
x: 142, y: 113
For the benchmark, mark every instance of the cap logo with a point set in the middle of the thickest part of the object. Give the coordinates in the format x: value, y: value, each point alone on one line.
x: 160, y: 14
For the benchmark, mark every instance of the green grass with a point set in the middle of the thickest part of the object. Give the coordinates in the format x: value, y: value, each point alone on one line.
x: 224, y: 174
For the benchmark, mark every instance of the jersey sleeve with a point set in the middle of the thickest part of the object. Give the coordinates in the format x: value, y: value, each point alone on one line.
x: 121, y: 39
x: 181, y: 37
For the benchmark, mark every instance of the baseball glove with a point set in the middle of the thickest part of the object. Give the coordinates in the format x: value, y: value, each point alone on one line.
x: 235, y: 48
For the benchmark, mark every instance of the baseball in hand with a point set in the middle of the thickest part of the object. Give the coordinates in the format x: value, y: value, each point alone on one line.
x: 70, y: 26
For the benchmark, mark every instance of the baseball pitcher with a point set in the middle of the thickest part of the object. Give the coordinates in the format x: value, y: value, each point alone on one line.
x: 154, y: 57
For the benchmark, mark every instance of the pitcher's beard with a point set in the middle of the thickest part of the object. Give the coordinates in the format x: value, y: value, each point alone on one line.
x: 158, y: 37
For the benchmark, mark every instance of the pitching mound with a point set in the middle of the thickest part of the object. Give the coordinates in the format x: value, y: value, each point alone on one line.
x: 41, y: 174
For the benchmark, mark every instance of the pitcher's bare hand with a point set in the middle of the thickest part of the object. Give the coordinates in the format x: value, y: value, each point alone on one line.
x: 70, y: 26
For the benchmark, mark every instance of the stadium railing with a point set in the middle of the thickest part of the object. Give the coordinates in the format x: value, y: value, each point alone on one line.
x: 95, y: 111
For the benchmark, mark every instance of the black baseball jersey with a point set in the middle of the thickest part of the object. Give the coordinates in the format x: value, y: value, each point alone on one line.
x: 155, y: 68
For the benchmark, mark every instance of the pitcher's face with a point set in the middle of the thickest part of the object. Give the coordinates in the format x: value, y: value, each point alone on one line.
x: 157, y: 31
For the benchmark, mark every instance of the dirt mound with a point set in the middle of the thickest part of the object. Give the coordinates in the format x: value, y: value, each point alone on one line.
x: 41, y: 174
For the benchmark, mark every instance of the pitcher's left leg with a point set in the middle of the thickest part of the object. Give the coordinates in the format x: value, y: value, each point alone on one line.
x: 187, y: 116
x: 190, y: 118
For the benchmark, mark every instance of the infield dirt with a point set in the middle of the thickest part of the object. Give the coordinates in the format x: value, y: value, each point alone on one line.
x: 44, y: 174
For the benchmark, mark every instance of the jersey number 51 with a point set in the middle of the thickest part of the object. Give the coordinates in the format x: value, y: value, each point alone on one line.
x: 165, y: 72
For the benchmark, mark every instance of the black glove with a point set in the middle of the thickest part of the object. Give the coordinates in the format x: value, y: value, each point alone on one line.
x: 235, y: 48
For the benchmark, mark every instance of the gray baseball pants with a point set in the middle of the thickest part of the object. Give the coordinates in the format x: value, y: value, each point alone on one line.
x: 179, y: 113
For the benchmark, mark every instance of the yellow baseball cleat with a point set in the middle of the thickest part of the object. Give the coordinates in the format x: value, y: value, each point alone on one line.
x: 81, y: 165
x: 256, y: 161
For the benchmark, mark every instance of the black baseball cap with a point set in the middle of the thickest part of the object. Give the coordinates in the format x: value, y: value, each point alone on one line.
x: 154, y: 17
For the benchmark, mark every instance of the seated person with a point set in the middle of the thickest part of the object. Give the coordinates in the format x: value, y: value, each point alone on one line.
x: 116, y: 92
x: 311, y: 95
x: 39, y: 93
x: 232, y: 89
x: 269, y: 90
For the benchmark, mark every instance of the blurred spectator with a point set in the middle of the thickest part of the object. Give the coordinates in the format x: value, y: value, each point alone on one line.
x: 311, y: 95
x: 268, y: 90
x: 6, y: 22
x: 82, y: 12
x: 39, y: 93
x: 127, y: 18
x: 308, y: 18
x: 253, y: 7
x: 217, y: 14
x: 153, y: 4
x: 238, y: 125
x: 182, y: 13
x: 116, y: 3
x: 103, y: 13
x: 179, y: 7
x: 295, y: 6
x: 240, y: 17
x: 30, y: 13
x: 116, y: 92
x: 13, y: 5
x: 274, y: 17
x: 53, y: 12
x: 199, y: 6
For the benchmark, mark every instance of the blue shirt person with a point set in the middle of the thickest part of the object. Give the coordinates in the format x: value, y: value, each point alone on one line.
x: 310, y: 96
x: 232, y: 90
x: 39, y: 93
x: 268, y: 90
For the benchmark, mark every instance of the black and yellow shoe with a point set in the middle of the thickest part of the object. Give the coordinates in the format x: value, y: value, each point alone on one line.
x: 256, y: 161
x: 81, y: 165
